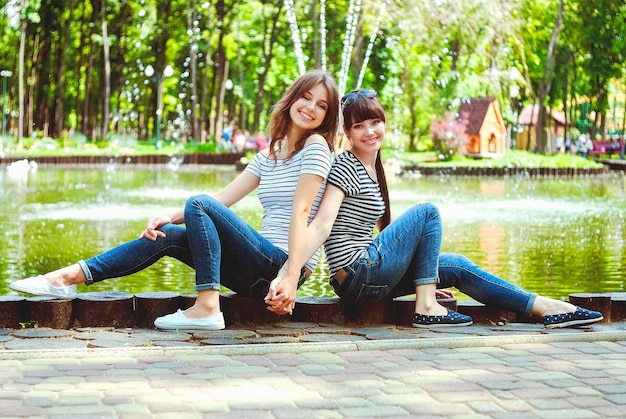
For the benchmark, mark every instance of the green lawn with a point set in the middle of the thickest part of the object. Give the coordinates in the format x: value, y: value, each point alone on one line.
x: 512, y: 158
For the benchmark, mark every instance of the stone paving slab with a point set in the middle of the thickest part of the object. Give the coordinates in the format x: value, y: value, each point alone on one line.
x: 517, y: 371
x: 553, y: 381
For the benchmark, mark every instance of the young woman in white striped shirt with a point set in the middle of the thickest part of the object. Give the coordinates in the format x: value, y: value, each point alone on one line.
x: 404, y: 257
x: 221, y: 247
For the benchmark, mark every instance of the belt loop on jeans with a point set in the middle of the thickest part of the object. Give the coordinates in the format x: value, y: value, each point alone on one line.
x: 340, y: 276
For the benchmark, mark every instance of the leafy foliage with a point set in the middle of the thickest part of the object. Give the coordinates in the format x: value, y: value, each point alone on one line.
x: 232, y: 60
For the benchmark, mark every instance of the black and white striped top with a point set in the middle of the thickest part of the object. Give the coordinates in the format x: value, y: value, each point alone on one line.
x: 277, y: 187
x: 360, y: 209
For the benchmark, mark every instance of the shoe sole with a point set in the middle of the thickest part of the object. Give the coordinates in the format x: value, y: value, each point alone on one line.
x: 42, y: 294
x: 580, y: 322
x: 168, y: 327
x: 440, y: 325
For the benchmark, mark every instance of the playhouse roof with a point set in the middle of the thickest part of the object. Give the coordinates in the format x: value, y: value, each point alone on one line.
x: 475, y: 109
x: 529, y: 114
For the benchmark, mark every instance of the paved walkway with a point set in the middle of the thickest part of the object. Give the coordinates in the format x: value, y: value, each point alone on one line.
x: 510, y: 371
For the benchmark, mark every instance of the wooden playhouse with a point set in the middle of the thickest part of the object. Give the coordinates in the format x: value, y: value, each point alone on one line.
x: 486, y: 132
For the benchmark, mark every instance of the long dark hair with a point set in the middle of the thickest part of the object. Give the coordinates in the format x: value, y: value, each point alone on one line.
x: 280, y: 120
x: 360, y: 105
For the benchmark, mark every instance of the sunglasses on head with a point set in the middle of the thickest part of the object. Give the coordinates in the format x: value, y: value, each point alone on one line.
x: 348, y: 99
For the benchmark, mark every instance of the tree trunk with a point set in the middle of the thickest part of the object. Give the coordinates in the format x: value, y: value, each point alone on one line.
x: 546, y: 82
x: 602, y: 105
x: 21, y: 74
x: 243, y: 116
x: 107, y: 73
x: 221, y: 64
x: 59, y: 119
x: 565, y: 107
x: 86, y: 123
x: 193, y: 67
x: 205, y: 104
x: 267, y: 55
x: 222, y: 75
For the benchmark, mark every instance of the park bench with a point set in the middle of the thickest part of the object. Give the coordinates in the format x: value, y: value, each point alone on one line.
x: 607, y: 148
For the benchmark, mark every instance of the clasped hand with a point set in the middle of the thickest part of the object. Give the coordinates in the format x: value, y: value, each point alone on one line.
x: 281, y: 297
x: 151, y: 232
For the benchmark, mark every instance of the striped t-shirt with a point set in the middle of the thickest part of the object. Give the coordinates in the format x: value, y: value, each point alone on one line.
x: 277, y: 187
x: 360, y: 209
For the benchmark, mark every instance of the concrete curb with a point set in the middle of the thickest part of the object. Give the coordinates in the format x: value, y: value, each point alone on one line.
x: 333, y: 347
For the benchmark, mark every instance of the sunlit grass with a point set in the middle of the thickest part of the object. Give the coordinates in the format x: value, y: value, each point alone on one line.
x: 117, y: 146
x: 512, y: 158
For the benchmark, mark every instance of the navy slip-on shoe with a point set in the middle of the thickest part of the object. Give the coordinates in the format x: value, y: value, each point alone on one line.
x: 579, y: 317
x: 451, y: 319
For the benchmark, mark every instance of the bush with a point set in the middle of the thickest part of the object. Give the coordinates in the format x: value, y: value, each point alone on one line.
x: 448, y: 135
x: 121, y: 141
x: 45, y: 143
x: 73, y: 139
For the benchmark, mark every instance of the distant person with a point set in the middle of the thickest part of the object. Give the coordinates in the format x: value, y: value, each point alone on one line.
x: 251, y: 143
x: 568, y: 145
x: 239, y: 140
x: 581, y: 145
x: 559, y: 144
x: 261, y: 140
x: 227, y: 137
x: 588, y: 145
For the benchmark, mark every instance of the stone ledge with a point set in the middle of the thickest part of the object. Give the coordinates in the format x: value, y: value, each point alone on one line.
x: 118, y: 309
x: 160, y: 159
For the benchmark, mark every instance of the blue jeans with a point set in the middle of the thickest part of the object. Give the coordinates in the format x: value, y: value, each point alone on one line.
x: 404, y: 255
x: 216, y: 242
x: 138, y: 254
x: 228, y: 251
x: 458, y: 271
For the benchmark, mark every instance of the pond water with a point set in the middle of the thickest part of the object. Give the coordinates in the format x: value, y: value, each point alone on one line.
x: 552, y: 236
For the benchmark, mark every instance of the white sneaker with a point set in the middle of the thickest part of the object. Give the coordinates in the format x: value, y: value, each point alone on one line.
x: 37, y: 285
x: 178, y: 321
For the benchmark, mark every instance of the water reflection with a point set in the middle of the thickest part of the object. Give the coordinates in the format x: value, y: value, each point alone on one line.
x: 551, y: 236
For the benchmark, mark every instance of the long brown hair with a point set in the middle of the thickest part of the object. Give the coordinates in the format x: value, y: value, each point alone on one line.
x: 358, y: 106
x: 280, y: 120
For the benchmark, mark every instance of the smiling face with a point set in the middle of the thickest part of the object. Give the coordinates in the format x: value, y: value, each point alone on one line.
x: 308, y: 112
x: 364, y: 122
x: 367, y: 136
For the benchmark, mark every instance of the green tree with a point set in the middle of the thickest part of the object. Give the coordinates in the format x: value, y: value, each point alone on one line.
x: 597, y: 37
x: 81, y: 64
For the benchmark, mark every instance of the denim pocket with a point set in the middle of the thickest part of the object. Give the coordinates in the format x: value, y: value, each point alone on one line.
x: 260, y: 288
x: 370, y: 293
x: 302, y: 279
x: 337, y: 287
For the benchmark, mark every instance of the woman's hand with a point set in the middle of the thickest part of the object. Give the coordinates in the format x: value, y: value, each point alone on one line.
x: 151, y: 232
x: 444, y: 293
x: 281, y: 297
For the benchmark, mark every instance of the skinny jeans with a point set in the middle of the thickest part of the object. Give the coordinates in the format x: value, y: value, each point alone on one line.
x: 221, y: 247
x: 458, y: 271
x: 404, y: 255
x: 396, y: 260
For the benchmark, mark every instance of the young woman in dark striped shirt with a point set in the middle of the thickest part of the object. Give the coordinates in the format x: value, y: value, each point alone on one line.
x: 404, y: 257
